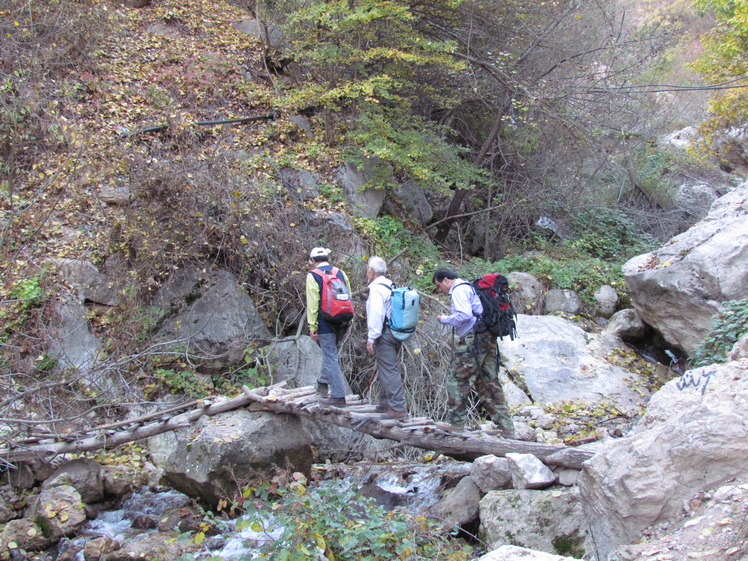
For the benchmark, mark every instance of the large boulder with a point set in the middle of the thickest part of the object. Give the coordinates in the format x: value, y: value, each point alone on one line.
x: 678, y: 288
x: 694, y: 436
x: 555, y: 361
x: 364, y: 200
x: 210, y: 314
x: 514, y: 553
x: 211, y: 459
x: 91, y: 284
x: 550, y: 520
x: 85, y: 475
x: 298, y: 361
x: 59, y: 510
x: 73, y: 343
x: 526, y: 292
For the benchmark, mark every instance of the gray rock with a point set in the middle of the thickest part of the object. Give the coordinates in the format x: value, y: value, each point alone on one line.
x: 528, y: 472
x: 557, y: 361
x: 550, y: 521
x: 695, y: 199
x: 25, y: 533
x: 740, y: 349
x: 85, y: 475
x: 693, y: 436
x: 270, y: 34
x: 90, y: 283
x: 413, y: 198
x: 558, y: 300
x: 606, y: 301
x: 117, y: 195
x: 59, y: 510
x: 514, y: 553
x: 211, y: 314
x: 678, y: 288
x: 627, y: 325
x: 364, y: 201
x: 164, y: 546
x: 302, y: 185
x: 217, y: 453
x: 459, y: 507
x: 491, y: 473
x: 299, y: 361
x: 526, y: 292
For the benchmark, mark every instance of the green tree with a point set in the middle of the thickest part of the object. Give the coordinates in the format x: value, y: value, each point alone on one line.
x: 725, y: 62
x: 377, y: 70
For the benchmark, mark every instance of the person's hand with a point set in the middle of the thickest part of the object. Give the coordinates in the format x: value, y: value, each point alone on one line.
x: 314, y: 336
x: 370, y: 348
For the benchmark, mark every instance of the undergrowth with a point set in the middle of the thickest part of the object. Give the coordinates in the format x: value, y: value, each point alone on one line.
x: 335, y: 522
x: 730, y: 325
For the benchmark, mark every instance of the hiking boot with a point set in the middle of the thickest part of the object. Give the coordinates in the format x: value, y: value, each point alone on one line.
x: 334, y: 401
x: 391, y: 414
x: 322, y: 389
x: 381, y: 408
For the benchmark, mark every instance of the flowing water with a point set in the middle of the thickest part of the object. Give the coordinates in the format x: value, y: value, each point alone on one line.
x: 411, y: 487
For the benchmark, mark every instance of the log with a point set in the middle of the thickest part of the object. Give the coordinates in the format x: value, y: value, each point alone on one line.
x: 97, y: 442
x: 458, y: 444
x: 418, y: 432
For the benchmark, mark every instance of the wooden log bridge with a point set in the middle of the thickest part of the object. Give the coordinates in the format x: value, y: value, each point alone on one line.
x: 420, y: 432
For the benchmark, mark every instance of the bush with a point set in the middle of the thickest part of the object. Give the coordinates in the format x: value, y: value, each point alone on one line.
x: 344, y: 526
x: 607, y: 234
x: 583, y: 275
x: 730, y: 325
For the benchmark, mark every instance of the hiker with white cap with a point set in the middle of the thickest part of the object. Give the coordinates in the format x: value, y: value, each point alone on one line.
x: 329, y: 311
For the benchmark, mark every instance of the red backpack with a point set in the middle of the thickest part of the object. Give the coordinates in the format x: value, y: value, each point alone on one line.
x: 335, y: 305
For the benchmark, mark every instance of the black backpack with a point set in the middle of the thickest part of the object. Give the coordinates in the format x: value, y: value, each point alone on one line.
x: 498, y: 314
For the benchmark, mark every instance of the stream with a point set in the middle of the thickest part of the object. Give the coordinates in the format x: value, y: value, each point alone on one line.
x: 410, y: 487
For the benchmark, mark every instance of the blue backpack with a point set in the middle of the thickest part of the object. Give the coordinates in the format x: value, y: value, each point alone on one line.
x: 404, y: 316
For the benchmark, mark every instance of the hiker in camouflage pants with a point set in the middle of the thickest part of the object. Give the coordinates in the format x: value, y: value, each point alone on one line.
x: 475, y: 361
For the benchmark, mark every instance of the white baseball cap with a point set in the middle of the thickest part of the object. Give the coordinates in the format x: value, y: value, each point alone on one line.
x: 319, y: 252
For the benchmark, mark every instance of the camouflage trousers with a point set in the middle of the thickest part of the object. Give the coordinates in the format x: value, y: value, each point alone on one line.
x: 475, y: 367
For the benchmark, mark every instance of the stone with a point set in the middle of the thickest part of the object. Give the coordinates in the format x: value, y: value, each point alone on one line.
x: 216, y: 454
x: 514, y: 553
x: 528, y: 472
x: 555, y: 361
x: 550, y: 520
x: 678, y: 288
x: 557, y: 300
x: 491, y: 473
x: 460, y: 506
x: 364, y: 201
x: 693, y: 436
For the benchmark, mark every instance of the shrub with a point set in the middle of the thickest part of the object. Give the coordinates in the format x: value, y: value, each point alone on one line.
x: 607, y: 234
x: 584, y: 275
x: 729, y: 326
x: 336, y: 521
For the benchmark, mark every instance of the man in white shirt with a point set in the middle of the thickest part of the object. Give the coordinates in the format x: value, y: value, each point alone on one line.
x: 381, y: 343
x: 475, y: 362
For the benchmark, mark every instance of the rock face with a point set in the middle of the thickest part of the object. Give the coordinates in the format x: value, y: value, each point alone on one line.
x: 216, y: 454
x: 678, y: 288
x: 363, y: 201
x: 211, y: 315
x: 557, y: 361
x: 693, y: 437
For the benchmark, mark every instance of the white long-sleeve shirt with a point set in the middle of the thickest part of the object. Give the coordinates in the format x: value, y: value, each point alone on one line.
x: 378, y: 306
x: 465, y: 305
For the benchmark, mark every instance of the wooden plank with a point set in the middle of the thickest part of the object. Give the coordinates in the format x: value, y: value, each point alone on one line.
x: 420, y: 432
